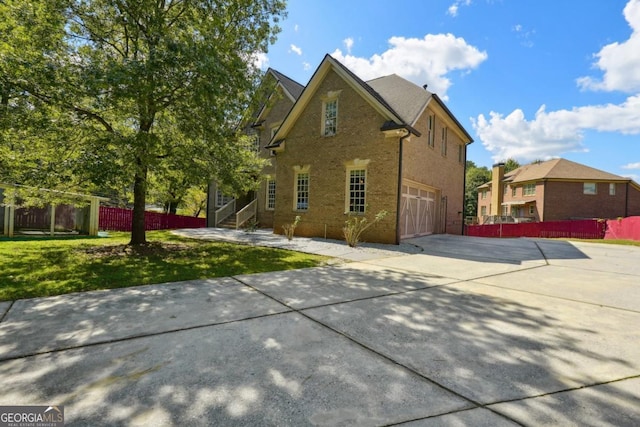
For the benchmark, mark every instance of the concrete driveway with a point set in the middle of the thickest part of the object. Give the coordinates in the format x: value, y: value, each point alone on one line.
x: 446, y: 330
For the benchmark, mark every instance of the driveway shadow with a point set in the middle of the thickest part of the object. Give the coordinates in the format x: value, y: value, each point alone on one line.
x: 493, y: 250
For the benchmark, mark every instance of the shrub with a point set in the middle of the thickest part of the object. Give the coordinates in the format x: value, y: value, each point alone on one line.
x: 289, y: 229
x: 355, y: 226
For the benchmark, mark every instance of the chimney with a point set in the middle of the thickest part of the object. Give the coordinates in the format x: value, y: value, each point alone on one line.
x: 497, y: 192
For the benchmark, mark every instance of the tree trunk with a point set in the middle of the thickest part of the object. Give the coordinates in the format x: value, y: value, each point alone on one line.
x: 138, y: 233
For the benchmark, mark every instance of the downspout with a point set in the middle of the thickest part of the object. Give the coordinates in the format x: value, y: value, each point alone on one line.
x: 626, y: 200
x: 464, y: 191
x: 399, y: 199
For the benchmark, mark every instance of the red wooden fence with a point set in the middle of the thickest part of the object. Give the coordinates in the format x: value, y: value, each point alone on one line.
x: 578, y: 229
x: 117, y: 219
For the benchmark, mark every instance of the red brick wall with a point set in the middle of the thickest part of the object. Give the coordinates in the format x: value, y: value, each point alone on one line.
x: 427, y: 165
x: 358, y: 137
x: 633, y: 207
x: 566, y: 200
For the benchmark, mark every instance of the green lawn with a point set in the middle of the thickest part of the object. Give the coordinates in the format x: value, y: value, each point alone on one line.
x: 40, y: 266
x: 608, y: 241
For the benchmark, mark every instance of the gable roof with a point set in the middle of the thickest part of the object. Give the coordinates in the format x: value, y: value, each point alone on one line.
x: 406, y: 98
x: 291, y: 87
x: 399, y: 101
x: 560, y: 169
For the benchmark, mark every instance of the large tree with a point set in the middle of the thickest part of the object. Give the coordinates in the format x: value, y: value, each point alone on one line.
x: 475, y: 177
x: 125, y: 88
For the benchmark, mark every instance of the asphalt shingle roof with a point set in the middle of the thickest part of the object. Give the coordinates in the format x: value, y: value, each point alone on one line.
x: 292, y: 86
x: 408, y: 100
x: 560, y: 169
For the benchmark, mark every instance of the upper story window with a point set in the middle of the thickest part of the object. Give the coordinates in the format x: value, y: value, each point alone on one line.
x: 612, y: 189
x: 255, y: 141
x: 513, y: 191
x: 589, y: 188
x: 330, y: 114
x: 506, y: 190
x: 461, y: 153
x: 444, y: 141
x: 529, y: 190
x: 431, y: 120
x: 483, y: 194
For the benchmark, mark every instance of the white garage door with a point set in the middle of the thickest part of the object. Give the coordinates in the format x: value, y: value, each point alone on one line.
x: 418, y: 211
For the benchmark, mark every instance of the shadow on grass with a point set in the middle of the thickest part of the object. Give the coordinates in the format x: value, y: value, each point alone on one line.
x: 59, y: 266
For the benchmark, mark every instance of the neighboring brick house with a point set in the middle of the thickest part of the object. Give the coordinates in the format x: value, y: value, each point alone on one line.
x: 350, y: 147
x: 554, y: 190
x: 282, y: 94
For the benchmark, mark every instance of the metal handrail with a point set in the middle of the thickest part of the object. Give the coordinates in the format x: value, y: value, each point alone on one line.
x: 225, y: 212
x: 246, y: 213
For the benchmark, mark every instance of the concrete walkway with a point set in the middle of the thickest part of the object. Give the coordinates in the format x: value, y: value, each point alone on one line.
x: 443, y: 330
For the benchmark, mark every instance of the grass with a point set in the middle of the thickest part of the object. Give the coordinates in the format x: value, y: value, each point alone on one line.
x: 608, y: 241
x: 40, y: 266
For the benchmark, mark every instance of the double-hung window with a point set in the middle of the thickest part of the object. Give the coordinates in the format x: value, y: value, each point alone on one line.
x: 444, y: 141
x: 330, y: 117
x: 255, y: 141
x: 431, y: 119
x: 357, y: 190
x: 222, y: 199
x: 529, y: 190
x: 302, y: 191
x: 271, y: 194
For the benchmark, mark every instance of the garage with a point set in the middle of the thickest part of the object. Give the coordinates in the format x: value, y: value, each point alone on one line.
x: 418, y: 210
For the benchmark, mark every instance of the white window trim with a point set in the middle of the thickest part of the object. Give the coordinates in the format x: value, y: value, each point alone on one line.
x: 222, y: 198
x: 612, y: 189
x: 267, y: 199
x: 329, y: 97
x: 356, y: 164
x: 298, y: 170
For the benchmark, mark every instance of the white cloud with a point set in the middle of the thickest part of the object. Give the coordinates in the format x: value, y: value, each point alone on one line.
x: 260, y: 60
x: 550, y: 134
x: 632, y: 166
x: 619, y: 61
x: 348, y: 44
x: 296, y: 28
x: 306, y: 66
x: 295, y: 49
x: 453, y: 9
x: 428, y: 60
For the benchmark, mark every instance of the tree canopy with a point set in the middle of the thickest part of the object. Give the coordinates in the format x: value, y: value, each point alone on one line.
x: 103, y: 93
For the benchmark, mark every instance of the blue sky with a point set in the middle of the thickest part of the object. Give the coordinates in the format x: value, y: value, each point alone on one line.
x: 528, y: 79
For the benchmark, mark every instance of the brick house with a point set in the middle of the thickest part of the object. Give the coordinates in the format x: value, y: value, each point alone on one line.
x: 282, y: 93
x: 349, y: 147
x: 555, y: 190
